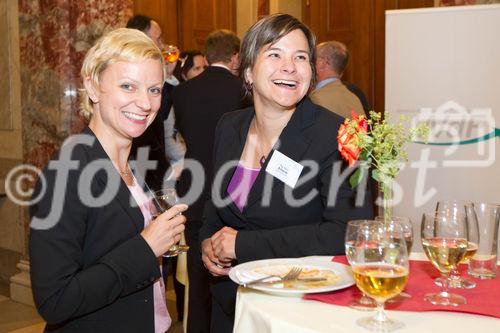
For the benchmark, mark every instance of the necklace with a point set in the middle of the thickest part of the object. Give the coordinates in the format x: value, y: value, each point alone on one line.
x: 127, y: 171
x: 263, y: 157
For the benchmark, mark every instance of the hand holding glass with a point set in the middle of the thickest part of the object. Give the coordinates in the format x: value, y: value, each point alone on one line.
x: 164, y: 200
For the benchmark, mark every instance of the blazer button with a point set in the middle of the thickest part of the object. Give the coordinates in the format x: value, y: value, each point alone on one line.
x: 139, y: 286
x: 146, y: 300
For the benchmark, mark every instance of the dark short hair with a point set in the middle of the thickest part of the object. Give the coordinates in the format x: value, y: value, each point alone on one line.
x: 185, y: 63
x: 269, y: 30
x: 336, y: 54
x: 221, y: 45
x: 140, y: 22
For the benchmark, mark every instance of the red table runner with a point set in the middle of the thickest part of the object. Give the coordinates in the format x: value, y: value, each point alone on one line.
x: 483, y: 300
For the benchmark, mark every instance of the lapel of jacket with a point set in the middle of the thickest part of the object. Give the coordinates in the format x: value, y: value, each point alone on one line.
x: 233, y: 151
x: 291, y: 143
x: 123, y: 196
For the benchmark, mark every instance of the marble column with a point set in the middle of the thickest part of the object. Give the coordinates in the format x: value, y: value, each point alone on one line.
x: 52, y: 38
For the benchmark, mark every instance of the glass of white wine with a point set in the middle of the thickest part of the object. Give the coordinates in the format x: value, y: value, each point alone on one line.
x: 381, y: 268
x: 467, y: 209
x: 407, y: 227
x: 364, y: 302
x: 164, y: 200
x: 444, y: 239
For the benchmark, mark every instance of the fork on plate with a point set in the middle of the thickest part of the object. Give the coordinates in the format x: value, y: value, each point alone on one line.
x: 292, y: 274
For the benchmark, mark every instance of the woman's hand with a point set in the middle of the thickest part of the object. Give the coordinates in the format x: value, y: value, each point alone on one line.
x: 165, y: 230
x: 211, y: 262
x: 224, y: 244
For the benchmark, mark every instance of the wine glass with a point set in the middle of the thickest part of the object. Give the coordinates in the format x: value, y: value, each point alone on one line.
x: 407, y: 228
x: 466, y: 208
x: 171, y: 53
x: 380, y: 266
x: 163, y: 200
x: 351, y: 236
x: 444, y: 239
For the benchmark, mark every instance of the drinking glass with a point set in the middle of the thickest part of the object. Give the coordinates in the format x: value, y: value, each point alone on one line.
x: 351, y: 235
x: 164, y: 200
x: 171, y: 53
x: 466, y: 208
x: 380, y: 266
x: 407, y: 228
x: 444, y: 239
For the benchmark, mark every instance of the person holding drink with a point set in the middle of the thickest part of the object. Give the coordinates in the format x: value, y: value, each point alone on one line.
x: 258, y: 211
x: 95, y: 249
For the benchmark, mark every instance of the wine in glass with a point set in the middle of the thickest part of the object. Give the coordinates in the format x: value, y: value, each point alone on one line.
x: 380, y: 266
x: 351, y: 236
x: 171, y: 53
x: 407, y: 227
x: 164, y: 200
x: 444, y: 239
x: 467, y: 209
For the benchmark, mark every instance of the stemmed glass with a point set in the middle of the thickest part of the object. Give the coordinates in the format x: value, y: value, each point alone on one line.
x: 407, y: 228
x: 380, y: 266
x: 351, y: 236
x: 164, y: 200
x: 444, y: 239
x: 466, y: 208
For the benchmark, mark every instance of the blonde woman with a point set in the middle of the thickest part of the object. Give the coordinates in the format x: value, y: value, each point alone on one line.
x: 95, y: 247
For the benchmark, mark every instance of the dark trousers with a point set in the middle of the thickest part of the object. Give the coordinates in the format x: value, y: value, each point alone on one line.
x: 200, y: 302
x: 170, y: 267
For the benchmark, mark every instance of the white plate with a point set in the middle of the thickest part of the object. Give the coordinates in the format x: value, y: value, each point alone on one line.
x: 243, y: 273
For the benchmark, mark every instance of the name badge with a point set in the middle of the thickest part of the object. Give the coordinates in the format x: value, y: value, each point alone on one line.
x: 284, y: 168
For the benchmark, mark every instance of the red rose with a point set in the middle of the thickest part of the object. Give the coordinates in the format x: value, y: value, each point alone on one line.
x: 348, y: 144
x: 361, y: 121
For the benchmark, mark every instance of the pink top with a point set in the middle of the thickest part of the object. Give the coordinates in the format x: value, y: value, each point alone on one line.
x: 162, y: 317
x: 240, y: 185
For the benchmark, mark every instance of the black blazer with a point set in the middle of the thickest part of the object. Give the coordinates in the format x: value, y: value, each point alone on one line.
x: 278, y: 229
x: 198, y: 105
x: 91, y: 271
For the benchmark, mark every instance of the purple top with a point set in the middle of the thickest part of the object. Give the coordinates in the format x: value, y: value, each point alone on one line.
x: 240, y: 185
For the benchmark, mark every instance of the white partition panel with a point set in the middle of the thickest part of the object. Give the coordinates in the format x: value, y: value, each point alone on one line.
x: 446, y: 61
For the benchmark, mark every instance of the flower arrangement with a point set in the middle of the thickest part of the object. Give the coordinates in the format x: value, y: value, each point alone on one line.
x: 378, y: 144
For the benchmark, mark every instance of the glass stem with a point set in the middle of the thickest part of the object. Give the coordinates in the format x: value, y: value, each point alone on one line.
x: 445, y: 284
x: 380, y: 315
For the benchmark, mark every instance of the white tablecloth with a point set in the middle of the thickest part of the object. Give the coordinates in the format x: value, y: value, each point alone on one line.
x: 262, y: 313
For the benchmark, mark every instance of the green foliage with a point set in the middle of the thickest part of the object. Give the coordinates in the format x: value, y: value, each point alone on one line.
x: 383, y: 146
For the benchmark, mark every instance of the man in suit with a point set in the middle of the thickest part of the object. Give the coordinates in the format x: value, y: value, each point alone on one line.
x: 332, y: 59
x: 154, y: 137
x: 198, y: 104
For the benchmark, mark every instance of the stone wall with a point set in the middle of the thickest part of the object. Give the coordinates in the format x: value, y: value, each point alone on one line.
x: 46, y: 41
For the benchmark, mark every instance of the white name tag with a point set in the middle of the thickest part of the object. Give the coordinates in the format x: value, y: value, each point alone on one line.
x: 284, y: 168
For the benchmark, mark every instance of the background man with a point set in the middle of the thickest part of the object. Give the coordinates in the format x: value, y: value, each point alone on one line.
x: 331, y: 62
x: 198, y: 105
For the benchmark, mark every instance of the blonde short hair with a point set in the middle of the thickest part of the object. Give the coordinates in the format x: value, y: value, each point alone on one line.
x: 118, y: 45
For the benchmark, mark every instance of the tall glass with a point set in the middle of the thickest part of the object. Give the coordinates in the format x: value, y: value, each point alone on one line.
x: 164, y: 200
x: 467, y: 209
x: 381, y: 268
x: 407, y: 228
x: 444, y: 239
x: 364, y: 302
